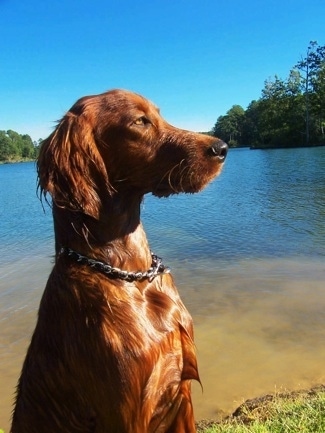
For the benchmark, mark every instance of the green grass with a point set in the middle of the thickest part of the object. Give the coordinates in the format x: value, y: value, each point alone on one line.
x: 286, y: 413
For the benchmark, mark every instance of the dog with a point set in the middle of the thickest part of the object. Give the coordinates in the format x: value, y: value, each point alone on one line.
x: 113, y: 346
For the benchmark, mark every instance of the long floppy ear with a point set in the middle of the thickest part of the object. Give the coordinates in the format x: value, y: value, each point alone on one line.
x: 71, y: 169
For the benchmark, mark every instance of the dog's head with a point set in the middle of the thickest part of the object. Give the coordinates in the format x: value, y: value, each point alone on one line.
x: 117, y: 143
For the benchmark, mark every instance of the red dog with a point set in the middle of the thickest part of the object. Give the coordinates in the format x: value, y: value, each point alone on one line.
x: 113, y: 346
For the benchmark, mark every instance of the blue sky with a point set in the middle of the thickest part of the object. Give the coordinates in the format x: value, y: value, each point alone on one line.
x: 194, y: 59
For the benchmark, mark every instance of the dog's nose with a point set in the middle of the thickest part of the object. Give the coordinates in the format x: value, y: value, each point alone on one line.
x: 219, y: 150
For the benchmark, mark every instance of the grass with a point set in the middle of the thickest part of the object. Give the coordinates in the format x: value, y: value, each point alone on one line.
x: 283, y: 413
x: 296, y: 412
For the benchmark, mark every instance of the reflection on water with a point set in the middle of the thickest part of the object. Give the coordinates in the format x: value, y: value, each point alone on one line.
x: 248, y: 258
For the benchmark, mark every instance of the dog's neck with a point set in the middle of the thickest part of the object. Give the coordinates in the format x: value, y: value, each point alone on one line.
x: 117, y: 237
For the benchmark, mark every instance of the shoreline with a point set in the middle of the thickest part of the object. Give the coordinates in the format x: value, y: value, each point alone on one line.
x: 254, y: 147
x: 258, y: 407
x: 17, y: 161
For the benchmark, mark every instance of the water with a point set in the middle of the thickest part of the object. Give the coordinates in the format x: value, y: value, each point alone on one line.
x: 248, y: 258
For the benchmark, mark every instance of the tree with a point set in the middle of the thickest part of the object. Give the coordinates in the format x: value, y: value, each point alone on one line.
x: 251, y: 127
x: 230, y: 127
x: 6, y: 147
x: 311, y: 66
x: 289, y: 113
x: 319, y: 100
x: 14, y: 146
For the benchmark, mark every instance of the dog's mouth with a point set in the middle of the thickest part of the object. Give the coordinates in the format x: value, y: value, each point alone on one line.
x: 164, y: 191
x: 191, y: 184
x: 167, y: 189
x: 190, y: 175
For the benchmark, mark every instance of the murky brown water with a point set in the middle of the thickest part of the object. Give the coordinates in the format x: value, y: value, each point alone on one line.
x: 263, y: 331
x: 259, y: 327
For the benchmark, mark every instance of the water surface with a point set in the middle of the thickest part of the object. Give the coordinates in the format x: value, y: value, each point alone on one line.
x: 248, y: 258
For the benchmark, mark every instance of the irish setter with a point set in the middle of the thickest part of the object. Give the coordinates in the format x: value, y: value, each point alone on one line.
x: 113, y: 347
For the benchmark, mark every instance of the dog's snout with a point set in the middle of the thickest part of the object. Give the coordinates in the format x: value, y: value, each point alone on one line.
x: 219, y: 150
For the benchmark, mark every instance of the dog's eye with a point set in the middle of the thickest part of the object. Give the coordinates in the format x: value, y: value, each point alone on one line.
x: 143, y: 120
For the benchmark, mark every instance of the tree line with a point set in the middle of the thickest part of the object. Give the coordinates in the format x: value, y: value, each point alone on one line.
x: 17, y: 147
x: 289, y: 113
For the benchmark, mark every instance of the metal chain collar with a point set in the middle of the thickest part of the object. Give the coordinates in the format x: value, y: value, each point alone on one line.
x: 156, y: 268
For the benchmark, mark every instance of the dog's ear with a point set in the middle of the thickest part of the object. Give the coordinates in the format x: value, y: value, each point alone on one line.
x: 71, y: 169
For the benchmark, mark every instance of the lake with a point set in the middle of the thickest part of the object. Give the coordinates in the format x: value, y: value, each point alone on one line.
x: 248, y: 256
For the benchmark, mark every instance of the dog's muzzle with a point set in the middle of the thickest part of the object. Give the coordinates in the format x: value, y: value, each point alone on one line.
x: 218, y: 150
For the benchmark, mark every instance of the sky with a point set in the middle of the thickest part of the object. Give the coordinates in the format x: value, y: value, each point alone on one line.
x: 194, y: 59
